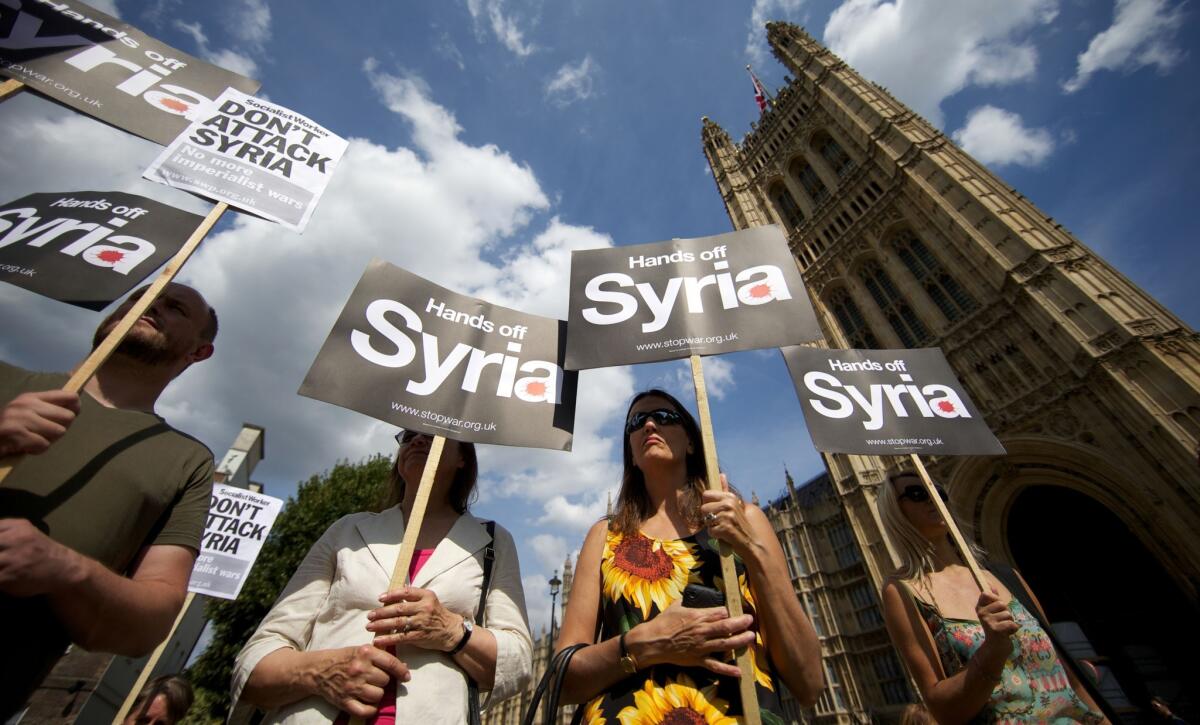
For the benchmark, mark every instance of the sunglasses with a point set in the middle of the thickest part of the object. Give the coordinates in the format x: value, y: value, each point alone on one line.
x: 405, y: 436
x: 919, y: 494
x: 661, y: 416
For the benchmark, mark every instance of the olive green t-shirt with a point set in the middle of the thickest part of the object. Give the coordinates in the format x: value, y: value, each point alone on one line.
x: 117, y: 482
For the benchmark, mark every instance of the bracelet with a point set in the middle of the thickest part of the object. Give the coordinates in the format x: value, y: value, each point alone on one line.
x: 628, y: 664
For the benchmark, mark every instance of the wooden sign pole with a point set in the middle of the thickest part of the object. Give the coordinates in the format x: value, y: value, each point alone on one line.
x: 955, y: 534
x: 412, y: 525
x: 98, y: 356
x: 151, y: 664
x: 733, y: 593
x: 10, y: 88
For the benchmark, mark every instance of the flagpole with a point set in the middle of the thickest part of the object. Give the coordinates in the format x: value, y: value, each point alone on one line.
x: 10, y: 87
x: 97, y: 358
x: 733, y: 592
x: 412, y: 524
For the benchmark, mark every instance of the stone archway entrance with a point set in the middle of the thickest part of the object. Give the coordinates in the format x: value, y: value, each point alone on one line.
x: 1085, y: 566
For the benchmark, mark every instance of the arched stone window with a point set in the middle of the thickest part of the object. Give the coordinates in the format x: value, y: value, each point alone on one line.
x: 900, y: 315
x: 949, y: 296
x: 833, y: 153
x: 850, y: 318
x: 787, y: 207
x: 803, y: 172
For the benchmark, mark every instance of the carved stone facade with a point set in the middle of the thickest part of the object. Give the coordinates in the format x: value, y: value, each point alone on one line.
x: 905, y: 240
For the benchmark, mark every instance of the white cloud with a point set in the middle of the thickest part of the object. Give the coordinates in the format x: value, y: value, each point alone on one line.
x: 106, y: 6
x: 503, y: 25
x: 924, y: 51
x: 763, y: 12
x: 573, y: 82
x: 1142, y: 34
x: 676, y: 378
x: 434, y: 208
x: 996, y: 136
x: 551, y: 551
x: 228, y: 59
x: 446, y: 48
x: 249, y: 21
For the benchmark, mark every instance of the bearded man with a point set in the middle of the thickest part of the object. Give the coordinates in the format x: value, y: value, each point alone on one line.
x: 101, y: 522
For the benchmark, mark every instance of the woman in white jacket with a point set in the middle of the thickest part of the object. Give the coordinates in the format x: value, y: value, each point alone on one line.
x: 336, y: 643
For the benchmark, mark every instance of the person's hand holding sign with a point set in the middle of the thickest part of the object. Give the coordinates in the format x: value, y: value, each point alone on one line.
x: 416, y: 617
x: 31, y: 422
x: 724, y: 515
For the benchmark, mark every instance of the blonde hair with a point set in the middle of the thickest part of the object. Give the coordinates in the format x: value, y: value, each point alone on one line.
x: 914, y: 550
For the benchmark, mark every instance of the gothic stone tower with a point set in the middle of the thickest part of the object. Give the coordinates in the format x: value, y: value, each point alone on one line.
x: 904, y: 240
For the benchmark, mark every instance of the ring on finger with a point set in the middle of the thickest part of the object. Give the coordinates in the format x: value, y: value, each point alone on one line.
x: 710, y: 517
x: 406, y: 620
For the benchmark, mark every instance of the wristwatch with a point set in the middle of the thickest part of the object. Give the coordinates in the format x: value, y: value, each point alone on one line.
x: 628, y: 664
x: 468, y: 628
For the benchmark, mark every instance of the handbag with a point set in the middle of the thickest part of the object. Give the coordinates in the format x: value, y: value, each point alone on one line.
x: 550, y: 686
x: 489, y: 557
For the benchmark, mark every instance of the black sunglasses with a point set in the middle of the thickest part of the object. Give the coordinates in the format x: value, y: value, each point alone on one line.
x: 405, y: 436
x: 919, y: 494
x: 660, y: 416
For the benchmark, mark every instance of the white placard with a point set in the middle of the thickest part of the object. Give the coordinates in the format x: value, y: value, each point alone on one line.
x: 238, y: 524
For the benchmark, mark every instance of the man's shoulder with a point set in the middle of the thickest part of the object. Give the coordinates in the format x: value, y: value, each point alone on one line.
x: 15, y: 380
x: 187, y: 439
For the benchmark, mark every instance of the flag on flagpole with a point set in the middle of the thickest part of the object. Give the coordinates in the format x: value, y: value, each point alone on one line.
x: 760, y: 93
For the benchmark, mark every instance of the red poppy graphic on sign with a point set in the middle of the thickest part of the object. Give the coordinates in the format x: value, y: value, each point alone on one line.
x: 111, y: 256
x: 946, y: 406
x: 756, y: 294
x: 104, y: 256
x: 174, y: 105
x: 535, y: 389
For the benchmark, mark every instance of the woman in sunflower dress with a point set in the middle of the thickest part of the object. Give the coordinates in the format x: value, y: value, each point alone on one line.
x: 976, y: 657
x: 652, y: 660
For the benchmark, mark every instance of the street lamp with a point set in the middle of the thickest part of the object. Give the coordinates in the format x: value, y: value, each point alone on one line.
x: 555, y: 583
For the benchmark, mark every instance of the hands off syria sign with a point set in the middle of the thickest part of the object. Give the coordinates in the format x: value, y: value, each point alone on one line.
x: 704, y: 296
x: 96, y: 64
x: 254, y: 155
x: 887, y: 402
x: 414, y: 354
x: 87, y: 248
x: 237, y: 525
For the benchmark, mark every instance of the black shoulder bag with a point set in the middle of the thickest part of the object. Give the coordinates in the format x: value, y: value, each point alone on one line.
x: 489, y: 557
x: 1008, y: 576
x: 550, y: 686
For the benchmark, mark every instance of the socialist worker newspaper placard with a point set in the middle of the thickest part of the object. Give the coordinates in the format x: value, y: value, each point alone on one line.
x: 887, y: 402
x: 254, y: 155
x: 238, y: 524
x: 667, y: 300
x: 88, y: 248
x: 94, y: 63
x: 414, y: 354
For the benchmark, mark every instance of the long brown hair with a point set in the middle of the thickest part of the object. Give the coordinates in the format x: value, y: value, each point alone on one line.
x: 462, y: 490
x: 633, y: 501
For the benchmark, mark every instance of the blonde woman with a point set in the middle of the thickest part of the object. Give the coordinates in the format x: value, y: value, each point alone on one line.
x: 976, y: 657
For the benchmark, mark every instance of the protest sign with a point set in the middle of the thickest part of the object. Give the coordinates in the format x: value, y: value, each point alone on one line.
x: 94, y: 63
x: 253, y: 155
x: 667, y: 300
x: 87, y: 248
x: 238, y: 524
x: 887, y: 402
x: 409, y: 352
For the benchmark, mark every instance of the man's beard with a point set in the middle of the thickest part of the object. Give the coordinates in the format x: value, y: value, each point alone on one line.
x: 152, y: 351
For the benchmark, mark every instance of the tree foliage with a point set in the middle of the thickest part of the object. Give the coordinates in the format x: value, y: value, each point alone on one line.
x: 320, y: 501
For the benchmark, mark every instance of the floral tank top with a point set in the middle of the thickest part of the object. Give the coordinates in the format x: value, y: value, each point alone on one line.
x: 1033, y: 686
x: 640, y: 577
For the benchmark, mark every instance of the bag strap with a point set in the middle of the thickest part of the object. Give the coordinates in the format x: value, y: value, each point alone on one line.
x: 550, y: 687
x: 914, y: 612
x: 1008, y: 576
x: 489, y: 558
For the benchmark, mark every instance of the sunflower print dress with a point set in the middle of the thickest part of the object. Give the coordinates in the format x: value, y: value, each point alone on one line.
x: 640, y: 577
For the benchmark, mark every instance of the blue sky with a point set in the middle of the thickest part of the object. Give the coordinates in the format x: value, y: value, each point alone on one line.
x: 491, y: 137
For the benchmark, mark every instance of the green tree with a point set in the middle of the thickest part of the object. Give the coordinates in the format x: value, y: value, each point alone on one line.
x: 323, y: 499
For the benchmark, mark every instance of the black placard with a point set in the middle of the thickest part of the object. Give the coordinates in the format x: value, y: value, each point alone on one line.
x: 412, y: 353
x: 887, y: 402
x: 94, y: 63
x: 88, y: 248
x: 668, y: 300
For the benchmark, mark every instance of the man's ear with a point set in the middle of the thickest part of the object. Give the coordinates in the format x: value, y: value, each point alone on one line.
x: 204, y: 352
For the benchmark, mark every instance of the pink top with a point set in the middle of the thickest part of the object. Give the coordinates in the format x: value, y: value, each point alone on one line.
x: 387, y: 707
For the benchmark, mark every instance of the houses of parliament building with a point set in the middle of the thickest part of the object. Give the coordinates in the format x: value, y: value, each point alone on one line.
x: 1093, y: 387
